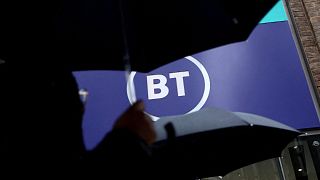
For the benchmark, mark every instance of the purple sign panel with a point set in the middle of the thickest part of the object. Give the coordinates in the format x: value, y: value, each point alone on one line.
x: 262, y: 75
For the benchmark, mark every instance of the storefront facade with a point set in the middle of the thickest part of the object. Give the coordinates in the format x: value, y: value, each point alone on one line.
x: 275, y: 73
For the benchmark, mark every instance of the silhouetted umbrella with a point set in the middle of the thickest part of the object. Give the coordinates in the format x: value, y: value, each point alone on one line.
x: 213, y: 142
x: 97, y: 34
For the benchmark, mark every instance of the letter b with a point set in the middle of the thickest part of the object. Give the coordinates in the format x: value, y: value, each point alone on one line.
x: 164, y: 90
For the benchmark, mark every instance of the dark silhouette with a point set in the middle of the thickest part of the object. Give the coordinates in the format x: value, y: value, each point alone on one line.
x: 41, y: 117
x: 43, y: 129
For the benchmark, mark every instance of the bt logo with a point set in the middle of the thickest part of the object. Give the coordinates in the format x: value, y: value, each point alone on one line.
x: 161, y: 85
x: 178, y: 88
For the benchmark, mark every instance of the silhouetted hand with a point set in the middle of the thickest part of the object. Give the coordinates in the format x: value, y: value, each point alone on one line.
x: 135, y: 120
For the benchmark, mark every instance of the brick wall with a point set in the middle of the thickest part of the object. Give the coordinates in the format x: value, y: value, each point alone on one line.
x: 305, y: 16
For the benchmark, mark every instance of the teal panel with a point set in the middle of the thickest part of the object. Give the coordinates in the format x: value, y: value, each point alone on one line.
x: 276, y: 14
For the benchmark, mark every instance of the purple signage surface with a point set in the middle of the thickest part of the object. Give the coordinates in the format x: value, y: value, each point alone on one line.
x: 262, y: 75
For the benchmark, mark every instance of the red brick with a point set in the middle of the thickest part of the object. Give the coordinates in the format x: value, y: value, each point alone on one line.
x: 315, y: 19
x: 318, y: 84
x: 317, y: 77
x: 315, y: 65
x: 307, y: 38
x: 308, y: 43
x: 313, y: 60
x: 310, y: 49
x: 315, y: 71
x: 308, y: 33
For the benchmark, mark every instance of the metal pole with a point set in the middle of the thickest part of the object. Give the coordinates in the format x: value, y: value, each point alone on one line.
x: 126, y: 56
x: 280, y: 165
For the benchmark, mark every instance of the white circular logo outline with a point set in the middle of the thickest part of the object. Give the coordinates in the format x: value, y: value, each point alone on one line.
x: 131, y: 91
